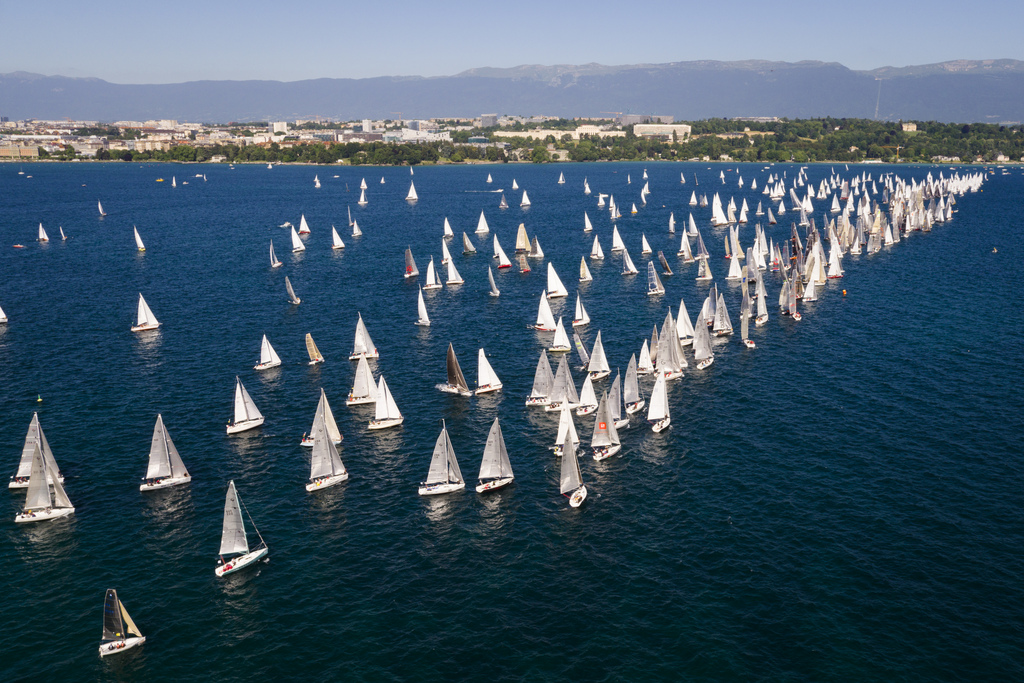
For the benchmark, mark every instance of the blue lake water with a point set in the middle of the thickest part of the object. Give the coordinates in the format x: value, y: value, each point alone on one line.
x: 842, y: 503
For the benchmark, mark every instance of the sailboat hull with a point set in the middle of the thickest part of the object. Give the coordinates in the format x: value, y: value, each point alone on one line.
x: 359, y: 400
x: 705, y: 363
x: 493, y: 484
x: 43, y: 515
x: 538, y: 401
x: 244, y: 426
x: 165, y: 482
x: 308, y: 441
x: 760, y: 320
x: 423, y: 323
x: 22, y: 483
x: 145, y: 328
x: 117, y: 646
x: 661, y: 425
x: 266, y: 366
x: 552, y: 407
x: 634, y: 408
x: 578, y: 496
x: 325, y: 482
x: 488, y: 389
x: 599, y: 374
x: 621, y: 424
x: 606, y: 452
x: 239, y: 563
x: 452, y: 389
x: 384, y: 424
x: 438, y: 489
x: 586, y: 410
x: 559, y: 349
x: 367, y: 356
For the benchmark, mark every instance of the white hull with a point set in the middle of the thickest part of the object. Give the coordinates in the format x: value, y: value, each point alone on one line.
x: 244, y: 426
x: 114, y: 647
x: 234, y: 565
x: 266, y: 366
x: 452, y: 389
x: 578, y: 496
x: 384, y: 424
x: 23, y: 484
x: 309, y: 441
x: 603, y: 453
x: 145, y: 328
x: 367, y: 356
x: 688, y: 341
x: 493, y: 484
x: 423, y: 323
x: 599, y: 374
x: 704, y: 363
x: 359, y: 400
x: 326, y: 482
x: 428, y: 288
x: 634, y: 408
x: 559, y: 349
x: 661, y: 425
x: 488, y: 389
x: 749, y: 344
x: 586, y: 410
x: 552, y: 407
x: 43, y: 515
x: 621, y: 424
x: 317, y: 361
x: 538, y: 401
x: 165, y: 483
x: 676, y: 374
x: 438, y: 489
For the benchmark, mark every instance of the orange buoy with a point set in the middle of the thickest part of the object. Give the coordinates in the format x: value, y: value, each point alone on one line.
x: 844, y: 292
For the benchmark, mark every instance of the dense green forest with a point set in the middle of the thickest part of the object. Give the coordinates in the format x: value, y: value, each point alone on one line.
x: 802, y: 141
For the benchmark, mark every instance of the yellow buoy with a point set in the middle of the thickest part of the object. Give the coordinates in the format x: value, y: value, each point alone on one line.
x: 39, y: 398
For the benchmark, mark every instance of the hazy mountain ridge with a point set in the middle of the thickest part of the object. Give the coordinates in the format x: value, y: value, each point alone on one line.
x: 960, y: 90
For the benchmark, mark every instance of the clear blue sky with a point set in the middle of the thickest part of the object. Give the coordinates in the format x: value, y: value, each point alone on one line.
x: 167, y: 42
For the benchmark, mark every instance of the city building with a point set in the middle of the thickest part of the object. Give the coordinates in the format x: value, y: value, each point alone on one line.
x: 661, y: 131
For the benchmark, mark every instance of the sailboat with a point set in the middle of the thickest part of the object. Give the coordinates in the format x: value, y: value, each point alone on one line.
x: 362, y: 184
x: 247, y: 415
x: 119, y: 631
x: 364, y: 389
x: 645, y: 246
x: 644, y: 365
x: 363, y: 345
x: 561, y: 342
x: 315, y: 357
x: 33, y: 437
x: 495, y: 468
x: 515, y: 185
x: 467, y: 246
x: 291, y: 292
x: 522, y: 239
x: 421, y: 309
x: 617, y: 243
x: 503, y: 204
x: 555, y: 286
x: 586, y: 186
x: 303, y: 225
x: 481, y: 225
x: 274, y: 262
x: 524, y: 266
x: 453, y: 275
x: 386, y: 413
x: 174, y: 181
x: 446, y: 255
x: 657, y: 413
x: 362, y: 198
x: 605, y: 439
x: 63, y: 237
x: 138, y: 238
x: 615, y: 403
x: 561, y: 179
x: 486, y: 379
x: 39, y: 504
x: 563, y: 391
x: 325, y: 466
x: 598, y: 365
x: 165, y: 465
x: 3, y: 316
x: 571, y: 480
x: 499, y: 254
x: 654, y: 286
x: 444, y: 475
x: 42, y: 234
x: 433, y: 282
x: 566, y: 429
x: 268, y: 356
x: 297, y: 244
x: 588, y: 398
x: 596, y: 253
x: 145, y: 320
x: 102, y: 212
x: 543, y: 382
x: 535, y: 250
x: 448, y: 232
x: 456, y: 383
x: 316, y: 181
x: 627, y: 264
x: 585, y: 275
x: 489, y: 178
x: 490, y: 278
x: 356, y: 232
x: 410, y: 265
x: 235, y: 553
x: 336, y: 242
x: 631, y: 387
x: 525, y: 203
x: 702, y: 343
x: 587, y: 225
x: 411, y: 196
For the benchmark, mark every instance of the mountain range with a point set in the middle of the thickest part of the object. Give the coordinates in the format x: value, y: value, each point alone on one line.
x: 965, y: 91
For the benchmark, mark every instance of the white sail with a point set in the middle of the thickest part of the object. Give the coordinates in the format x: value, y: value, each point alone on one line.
x: 596, y: 253
x: 495, y: 463
x: 421, y: 309
x: 566, y: 427
x: 631, y: 386
x: 561, y: 179
x: 62, y: 235
x: 585, y: 275
x: 515, y: 185
x: 588, y: 398
x: 268, y: 356
x: 138, y: 238
x: 144, y: 315
x: 485, y: 375
x: 324, y: 460
x: 99, y: 205
x: 467, y: 246
x: 363, y: 345
x: 411, y: 196
x: 617, y: 243
x: 297, y: 244
x: 444, y: 468
x: 34, y: 437
x: 232, y: 537
x: 164, y: 460
x: 561, y: 341
x: 598, y: 361
x: 490, y: 278
x: 684, y: 328
x: 587, y: 225
x: 526, y: 200
x: 580, y: 317
x: 658, y: 408
x: 654, y: 285
x: 627, y: 264
x: 291, y: 292
x: 386, y: 408
x: 336, y: 242
x: 453, y: 275
x: 569, y: 478
x: 364, y: 389
x: 356, y: 232
x: 586, y: 186
x: 644, y: 366
x: 543, y: 379
x: 448, y: 232
x: 489, y: 178
x: 555, y: 286
x: 433, y: 282
x: 605, y: 434
x: 645, y: 246
x: 499, y: 254
x: 362, y: 184
x: 446, y: 255
x: 245, y: 409
x: 362, y: 198
x: 545, y: 319
x: 303, y: 225
x: 274, y: 262
x: 481, y: 225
